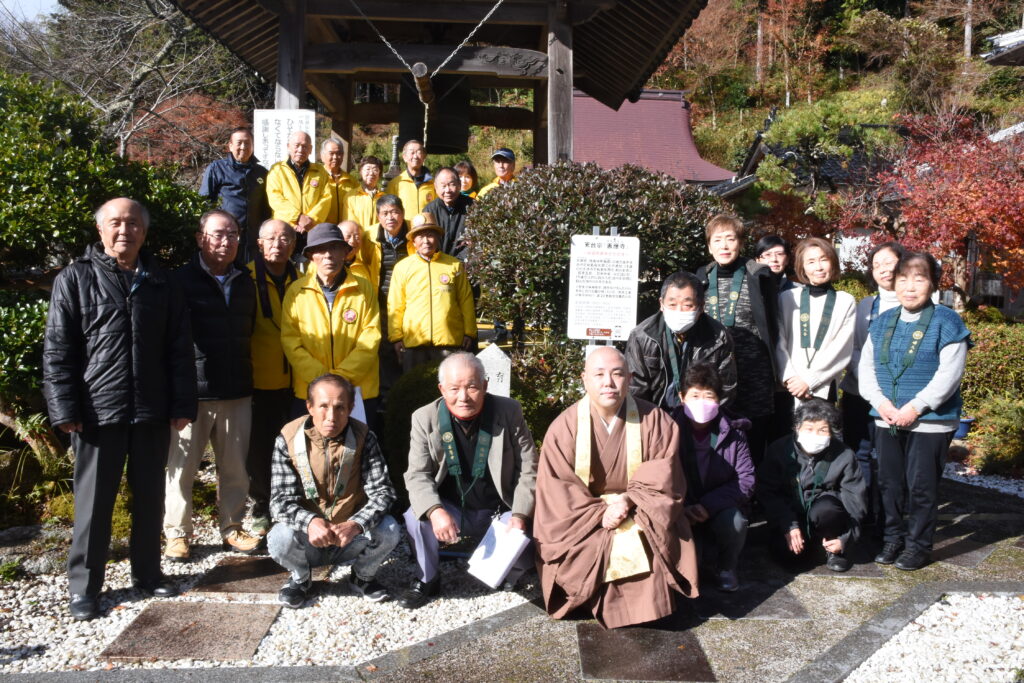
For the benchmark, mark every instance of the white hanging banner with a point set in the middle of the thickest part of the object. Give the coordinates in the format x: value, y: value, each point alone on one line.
x: 271, y: 129
x: 603, y: 275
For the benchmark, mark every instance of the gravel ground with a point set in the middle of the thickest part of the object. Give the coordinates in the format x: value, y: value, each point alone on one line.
x: 968, y: 475
x: 963, y: 638
x: 335, y: 628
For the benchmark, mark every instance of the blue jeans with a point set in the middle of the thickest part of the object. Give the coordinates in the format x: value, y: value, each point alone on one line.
x: 366, y: 552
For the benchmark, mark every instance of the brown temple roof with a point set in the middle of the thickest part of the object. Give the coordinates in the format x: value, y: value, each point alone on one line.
x: 653, y: 132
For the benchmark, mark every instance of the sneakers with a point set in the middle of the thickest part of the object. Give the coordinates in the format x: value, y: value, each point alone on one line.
x: 911, y: 560
x: 260, y: 526
x: 728, y: 581
x: 294, y: 595
x: 371, y: 589
x: 241, y: 542
x: 838, y: 562
x: 177, y: 549
x: 888, y: 553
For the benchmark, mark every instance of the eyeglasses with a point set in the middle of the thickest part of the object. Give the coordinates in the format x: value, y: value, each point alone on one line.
x: 222, y: 236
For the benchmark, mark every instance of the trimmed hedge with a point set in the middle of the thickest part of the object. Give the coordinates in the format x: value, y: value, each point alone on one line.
x: 998, y: 436
x: 995, y: 366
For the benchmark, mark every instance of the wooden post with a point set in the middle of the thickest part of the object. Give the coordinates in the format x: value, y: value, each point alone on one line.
x: 341, y: 121
x: 291, y: 41
x: 559, y: 83
x: 540, y: 123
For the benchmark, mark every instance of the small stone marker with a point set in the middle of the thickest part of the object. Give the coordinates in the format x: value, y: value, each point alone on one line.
x: 194, y: 630
x: 498, y: 367
x: 643, y: 654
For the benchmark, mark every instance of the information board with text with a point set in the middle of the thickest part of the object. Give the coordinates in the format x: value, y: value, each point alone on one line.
x: 271, y: 129
x: 603, y: 274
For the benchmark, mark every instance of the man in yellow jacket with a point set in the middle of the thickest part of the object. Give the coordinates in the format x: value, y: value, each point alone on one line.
x: 331, y: 321
x: 297, y: 188
x: 339, y: 182
x: 430, y: 303
x: 504, y: 161
x: 273, y: 272
x: 415, y: 185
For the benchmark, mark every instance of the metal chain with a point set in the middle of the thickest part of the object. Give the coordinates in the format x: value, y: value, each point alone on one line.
x: 381, y: 35
x: 468, y: 38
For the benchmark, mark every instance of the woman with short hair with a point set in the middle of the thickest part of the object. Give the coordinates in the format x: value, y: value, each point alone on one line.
x: 910, y: 371
x: 816, y: 325
x: 775, y: 252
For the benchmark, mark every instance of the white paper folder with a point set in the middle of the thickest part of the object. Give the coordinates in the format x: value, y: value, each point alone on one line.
x: 497, y: 552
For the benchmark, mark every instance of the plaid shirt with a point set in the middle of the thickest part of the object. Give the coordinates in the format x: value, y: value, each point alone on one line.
x: 287, y: 493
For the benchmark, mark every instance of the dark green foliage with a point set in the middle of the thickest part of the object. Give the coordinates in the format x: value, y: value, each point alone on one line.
x: 982, y: 314
x: 854, y: 284
x: 546, y: 380
x: 520, y: 234
x: 998, y: 436
x: 22, y: 321
x: 995, y: 366
x: 1004, y: 83
x: 56, y: 170
x: 413, y: 390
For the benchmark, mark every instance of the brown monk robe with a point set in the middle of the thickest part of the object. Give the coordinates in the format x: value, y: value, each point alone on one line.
x: 571, y: 529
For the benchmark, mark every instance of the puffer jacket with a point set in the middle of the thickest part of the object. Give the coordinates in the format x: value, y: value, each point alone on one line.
x: 221, y: 332
x: 647, y: 353
x: 430, y: 302
x: 115, y: 358
x: 343, y: 341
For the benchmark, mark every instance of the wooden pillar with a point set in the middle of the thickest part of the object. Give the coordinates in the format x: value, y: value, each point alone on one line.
x: 540, y: 123
x: 291, y: 41
x: 559, y: 82
x: 341, y: 121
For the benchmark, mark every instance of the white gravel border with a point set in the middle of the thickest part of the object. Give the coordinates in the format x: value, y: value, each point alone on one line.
x: 962, y: 638
x: 968, y: 475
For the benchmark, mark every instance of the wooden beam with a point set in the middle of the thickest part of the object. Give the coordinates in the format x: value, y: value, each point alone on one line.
x: 467, y: 12
x: 510, y: 118
x: 559, y: 83
x: 348, y: 58
x: 291, y: 41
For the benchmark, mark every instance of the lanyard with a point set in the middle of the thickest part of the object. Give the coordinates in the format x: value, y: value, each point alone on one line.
x: 805, y: 322
x: 451, y: 453
x: 729, y: 319
x: 910, y: 355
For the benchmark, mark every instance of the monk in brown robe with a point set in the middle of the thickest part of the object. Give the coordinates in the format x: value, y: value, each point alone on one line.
x: 609, y: 525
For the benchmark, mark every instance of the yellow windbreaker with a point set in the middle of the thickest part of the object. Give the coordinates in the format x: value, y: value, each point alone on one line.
x: 286, y: 201
x: 361, y: 206
x: 413, y: 198
x: 270, y: 369
x: 344, y: 341
x: 338, y: 189
x: 374, y: 252
x: 492, y: 185
x: 430, y: 302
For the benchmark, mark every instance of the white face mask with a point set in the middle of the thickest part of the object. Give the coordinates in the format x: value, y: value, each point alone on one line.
x: 680, y: 321
x: 812, y: 443
x: 700, y: 410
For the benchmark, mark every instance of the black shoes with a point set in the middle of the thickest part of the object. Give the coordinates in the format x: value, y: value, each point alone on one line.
x: 911, y: 560
x: 371, y: 589
x: 889, y: 553
x: 420, y: 593
x: 838, y: 562
x: 84, y: 607
x: 294, y: 595
x: 161, y: 587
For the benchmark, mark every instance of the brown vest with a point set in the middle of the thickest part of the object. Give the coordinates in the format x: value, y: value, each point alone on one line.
x: 325, y: 457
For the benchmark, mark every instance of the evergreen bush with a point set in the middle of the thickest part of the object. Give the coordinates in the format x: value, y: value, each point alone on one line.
x: 998, y: 436
x: 995, y: 365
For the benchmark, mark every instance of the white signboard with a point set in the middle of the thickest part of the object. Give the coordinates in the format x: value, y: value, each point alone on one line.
x: 498, y: 370
x: 603, y: 274
x: 271, y: 128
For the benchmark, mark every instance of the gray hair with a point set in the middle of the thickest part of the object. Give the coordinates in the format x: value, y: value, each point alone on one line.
x: 143, y: 211
x: 267, y: 223
x: 389, y: 200
x: 818, y: 410
x: 323, y: 145
x: 461, y: 358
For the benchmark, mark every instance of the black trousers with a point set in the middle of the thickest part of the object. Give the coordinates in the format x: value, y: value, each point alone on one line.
x: 855, y: 420
x: 828, y: 519
x: 100, y: 455
x: 270, y: 411
x: 757, y: 437
x: 909, y: 469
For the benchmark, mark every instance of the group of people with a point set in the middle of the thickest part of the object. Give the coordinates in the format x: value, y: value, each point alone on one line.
x: 724, y: 397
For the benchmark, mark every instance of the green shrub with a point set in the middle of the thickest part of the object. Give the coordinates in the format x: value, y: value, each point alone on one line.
x: 998, y: 436
x: 22, y: 321
x: 62, y: 507
x: 995, y: 365
x: 982, y: 314
x: 520, y: 235
x: 855, y: 284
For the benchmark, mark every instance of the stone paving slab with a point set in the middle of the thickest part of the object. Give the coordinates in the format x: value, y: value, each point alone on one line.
x: 255, y: 578
x: 754, y: 600
x: 641, y: 654
x: 1019, y: 543
x: 961, y: 551
x: 193, y: 630
x: 863, y: 557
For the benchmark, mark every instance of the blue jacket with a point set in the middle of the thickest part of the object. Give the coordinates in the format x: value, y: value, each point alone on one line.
x: 239, y: 189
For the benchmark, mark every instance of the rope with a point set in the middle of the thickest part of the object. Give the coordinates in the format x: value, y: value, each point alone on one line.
x: 426, y: 107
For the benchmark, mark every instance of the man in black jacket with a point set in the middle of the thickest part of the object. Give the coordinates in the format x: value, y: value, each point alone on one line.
x: 663, y: 346
x: 221, y: 299
x: 117, y: 368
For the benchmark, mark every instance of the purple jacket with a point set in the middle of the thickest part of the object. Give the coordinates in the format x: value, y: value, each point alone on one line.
x: 728, y: 479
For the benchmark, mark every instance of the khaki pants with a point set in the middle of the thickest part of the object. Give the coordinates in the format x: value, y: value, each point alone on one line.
x: 225, y: 425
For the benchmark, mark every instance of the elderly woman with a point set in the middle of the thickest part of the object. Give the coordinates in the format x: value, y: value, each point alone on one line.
x: 910, y: 371
x: 719, y: 471
x: 741, y: 294
x: 361, y: 200
x: 775, y: 252
x: 816, y: 325
x: 828, y: 500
